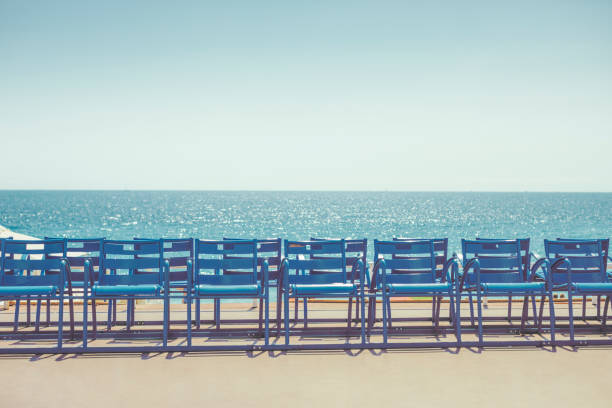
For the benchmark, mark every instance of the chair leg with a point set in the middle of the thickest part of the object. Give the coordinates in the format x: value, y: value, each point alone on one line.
x: 295, y: 309
x: 267, y: 322
x: 479, y: 304
x: 437, y: 316
x: 198, y: 320
x: 525, y: 313
x: 362, y: 318
x: 128, y: 314
x: 60, y: 322
x: 85, y: 309
x: 349, y: 315
x: 110, y: 315
x: 457, y: 316
x: 389, y: 318
x: 533, y: 306
x: 115, y: 311
x: 510, y: 309
x: 16, y: 322
x: 28, y: 322
x: 279, y: 305
x: 189, y: 323
x: 471, y: 300
x: 37, y: 322
x: 261, y: 301
x: 166, y: 319
x: 384, y: 313
x: 552, y: 317
x: 541, y: 315
x: 598, y: 306
x: 286, y: 316
x: 48, y: 312
x: 93, y: 317
x: 305, y: 312
x: 571, y: 314
x: 584, y: 302
x: 218, y: 313
x: 71, y: 310
x: 605, y: 314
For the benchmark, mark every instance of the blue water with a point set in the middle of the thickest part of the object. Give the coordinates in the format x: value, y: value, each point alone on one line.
x: 300, y: 215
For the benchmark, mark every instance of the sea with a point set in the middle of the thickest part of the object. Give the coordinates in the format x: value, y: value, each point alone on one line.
x: 305, y: 214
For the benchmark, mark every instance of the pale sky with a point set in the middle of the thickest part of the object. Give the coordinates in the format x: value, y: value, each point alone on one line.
x: 318, y: 95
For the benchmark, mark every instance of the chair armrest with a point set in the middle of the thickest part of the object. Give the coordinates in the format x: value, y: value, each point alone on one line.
x: 284, y: 274
x: 266, y: 284
x: 473, y: 263
x: 190, y: 277
x: 166, y: 277
x: 450, y: 274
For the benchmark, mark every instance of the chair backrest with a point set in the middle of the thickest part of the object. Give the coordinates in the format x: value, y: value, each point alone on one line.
x: 586, y: 257
x: 605, y: 247
x: 120, y: 259
x: 501, y: 261
x: 354, y: 249
x: 440, y: 247
x: 26, y: 263
x: 416, y: 259
x: 76, y: 251
x: 525, y: 254
x: 327, y: 258
x: 177, y: 251
x: 269, y: 249
x: 212, y: 258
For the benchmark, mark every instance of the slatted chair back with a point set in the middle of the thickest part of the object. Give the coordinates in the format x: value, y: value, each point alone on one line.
x: 416, y: 259
x: 120, y: 259
x: 440, y: 248
x: 326, y: 258
x: 32, y: 263
x: 177, y: 251
x: 525, y: 254
x: 76, y: 252
x: 501, y: 261
x: 212, y: 258
x: 269, y: 249
x: 355, y: 249
x: 586, y: 258
x: 605, y: 247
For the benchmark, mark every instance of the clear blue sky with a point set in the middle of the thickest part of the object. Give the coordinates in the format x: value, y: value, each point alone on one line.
x: 320, y: 95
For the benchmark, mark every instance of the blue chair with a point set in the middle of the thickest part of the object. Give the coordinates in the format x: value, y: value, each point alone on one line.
x: 526, y: 260
x: 178, y: 252
x: 605, y: 246
x: 212, y: 260
x: 118, y: 277
x: 496, y: 268
x: 355, y: 249
x: 441, y: 249
x: 26, y: 272
x: 578, y: 267
x: 76, y: 252
x: 270, y: 250
x: 409, y: 268
x: 331, y: 279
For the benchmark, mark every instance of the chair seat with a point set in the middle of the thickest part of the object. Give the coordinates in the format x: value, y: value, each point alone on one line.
x: 324, y: 289
x: 602, y: 287
x: 116, y: 290
x: 513, y: 287
x: 240, y: 290
x: 27, y: 290
x: 418, y: 287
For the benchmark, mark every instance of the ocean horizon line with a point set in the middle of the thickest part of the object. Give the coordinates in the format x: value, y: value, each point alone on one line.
x: 302, y: 191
